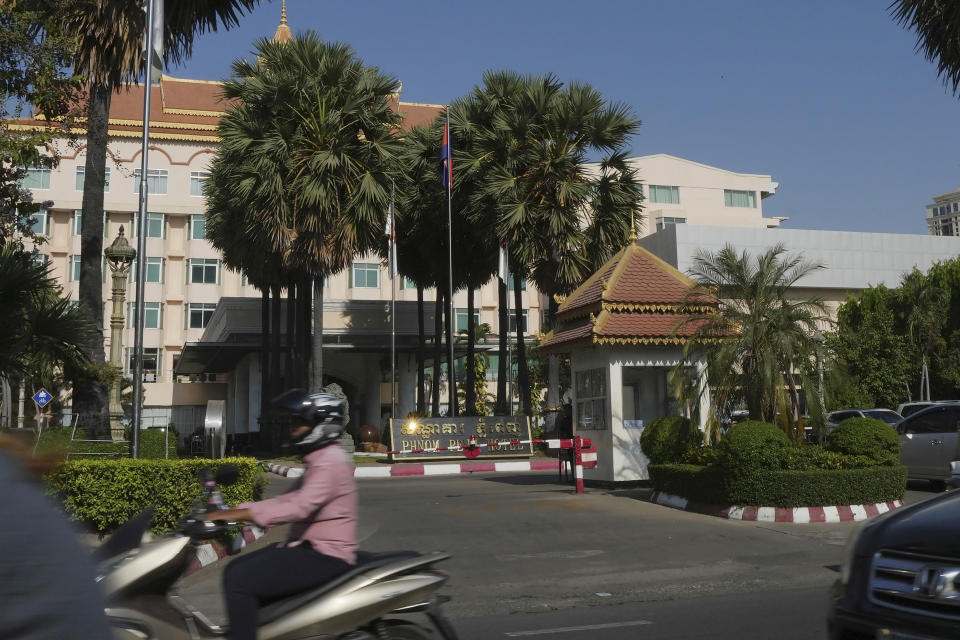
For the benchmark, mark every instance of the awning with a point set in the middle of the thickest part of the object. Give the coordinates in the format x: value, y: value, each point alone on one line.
x: 211, y: 357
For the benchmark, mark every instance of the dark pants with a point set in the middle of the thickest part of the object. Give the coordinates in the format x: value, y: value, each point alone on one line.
x: 267, y: 575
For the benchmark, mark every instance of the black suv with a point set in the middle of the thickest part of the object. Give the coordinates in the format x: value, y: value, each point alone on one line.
x: 900, y: 577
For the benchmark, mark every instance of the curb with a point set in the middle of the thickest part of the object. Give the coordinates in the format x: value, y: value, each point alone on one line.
x: 210, y: 552
x: 797, y: 515
x: 441, y: 469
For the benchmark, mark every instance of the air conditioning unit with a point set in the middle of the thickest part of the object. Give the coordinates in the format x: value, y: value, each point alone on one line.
x: 149, y: 377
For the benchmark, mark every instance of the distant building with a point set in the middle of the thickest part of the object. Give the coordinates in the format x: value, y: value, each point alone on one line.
x: 680, y: 191
x: 943, y: 216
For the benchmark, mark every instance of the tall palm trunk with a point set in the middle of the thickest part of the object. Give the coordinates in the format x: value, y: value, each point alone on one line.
x: 470, y: 388
x: 304, y: 301
x: 316, y: 371
x: 275, y: 369
x: 503, y: 361
x: 421, y: 353
x: 289, y: 344
x: 264, y: 351
x: 523, y: 386
x: 553, y: 361
x: 437, y: 354
x: 90, y: 397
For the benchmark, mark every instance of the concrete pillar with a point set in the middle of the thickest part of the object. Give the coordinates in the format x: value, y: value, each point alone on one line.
x: 704, y: 404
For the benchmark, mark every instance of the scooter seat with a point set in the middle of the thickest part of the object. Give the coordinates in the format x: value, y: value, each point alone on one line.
x: 365, y: 562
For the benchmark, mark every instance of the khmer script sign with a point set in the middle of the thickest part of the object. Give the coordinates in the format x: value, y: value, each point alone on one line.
x: 412, y: 434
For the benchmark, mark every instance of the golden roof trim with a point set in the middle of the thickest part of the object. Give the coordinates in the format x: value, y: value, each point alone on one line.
x: 162, y: 124
x: 655, y: 307
x: 634, y: 340
x: 194, y: 112
x: 118, y: 133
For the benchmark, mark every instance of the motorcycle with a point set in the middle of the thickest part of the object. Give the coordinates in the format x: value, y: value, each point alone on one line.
x: 371, y: 601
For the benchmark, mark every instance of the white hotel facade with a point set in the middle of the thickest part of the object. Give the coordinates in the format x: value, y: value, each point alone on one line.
x: 203, y: 321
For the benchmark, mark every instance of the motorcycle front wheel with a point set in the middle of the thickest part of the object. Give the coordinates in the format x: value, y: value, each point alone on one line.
x: 408, y: 631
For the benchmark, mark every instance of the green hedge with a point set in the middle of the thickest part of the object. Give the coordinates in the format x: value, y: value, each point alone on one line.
x: 781, y: 488
x: 752, y: 445
x: 868, y: 437
x: 668, y: 439
x: 151, y: 444
x: 57, y: 443
x: 105, y: 493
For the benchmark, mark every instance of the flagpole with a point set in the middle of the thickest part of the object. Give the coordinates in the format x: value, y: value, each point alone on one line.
x: 141, y: 237
x: 509, y: 343
x: 451, y: 382
x: 393, y: 305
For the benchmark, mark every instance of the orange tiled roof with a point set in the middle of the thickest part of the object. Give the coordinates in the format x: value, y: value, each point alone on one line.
x: 635, y: 298
x: 190, y: 110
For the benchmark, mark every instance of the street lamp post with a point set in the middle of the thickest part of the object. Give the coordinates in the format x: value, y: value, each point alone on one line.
x: 120, y: 255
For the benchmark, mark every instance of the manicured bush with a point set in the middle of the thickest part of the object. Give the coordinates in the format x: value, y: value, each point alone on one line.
x: 781, y: 488
x: 668, y: 439
x: 752, y: 445
x: 867, y: 437
x: 151, y: 444
x: 105, y: 493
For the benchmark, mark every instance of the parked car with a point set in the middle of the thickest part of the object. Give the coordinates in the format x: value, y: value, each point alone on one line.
x: 909, y: 408
x: 928, y: 442
x: 898, y: 576
x: 889, y: 416
x: 733, y: 418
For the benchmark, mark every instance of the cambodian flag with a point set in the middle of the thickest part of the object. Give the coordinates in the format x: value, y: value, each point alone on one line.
x: 446, y: 156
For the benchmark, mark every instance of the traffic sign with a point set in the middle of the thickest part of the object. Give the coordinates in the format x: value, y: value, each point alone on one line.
x: 42, y: 398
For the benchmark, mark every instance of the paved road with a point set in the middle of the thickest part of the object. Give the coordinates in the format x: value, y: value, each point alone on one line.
x: 531, y: 556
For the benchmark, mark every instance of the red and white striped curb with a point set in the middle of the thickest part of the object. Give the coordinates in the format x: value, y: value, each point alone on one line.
x: 285, y: 470
x: 210, y: 552
x: 440, y: 469
x: 799, y: 515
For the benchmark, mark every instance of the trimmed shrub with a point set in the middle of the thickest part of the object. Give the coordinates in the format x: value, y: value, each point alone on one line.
x: 752, y: 445
x: 867, y: 437
x: 151, y: 444
x: 781, y: 488
x: 808, y: 457
x: 105, y: 493
x: 668, y: 439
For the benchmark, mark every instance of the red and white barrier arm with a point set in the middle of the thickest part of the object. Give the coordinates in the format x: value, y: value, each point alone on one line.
x: 566, y: 443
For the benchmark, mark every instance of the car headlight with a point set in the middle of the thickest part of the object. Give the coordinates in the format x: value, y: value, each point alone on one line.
x: 850, y: 548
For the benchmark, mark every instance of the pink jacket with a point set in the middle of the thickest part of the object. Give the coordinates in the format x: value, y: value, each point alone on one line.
x: 322, y: 506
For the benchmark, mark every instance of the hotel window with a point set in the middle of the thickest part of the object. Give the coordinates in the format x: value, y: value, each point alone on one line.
x: 365, y: 275
x: 199, y: 314
x: 461, y: 319
x: 407, y: 283
x: 39, y: 259
x: 36, y: 178
x: 663, y: 223
x: 78, y: 223
x: 664, y: 195
x: 203, y: 271
x: 734, y: 198
x: 81, y: 174
x: 155, y: 270
x: 151, y: 363
x: 197, y: 178
x: 155, y: 225
x: 152, y: 315
x: 591, y: 399
x: 198, y: 226
x: 75, y: 268
x: 156, y: 181
x: 40, y: 223
x: 513, y: 321
x: 955, y: 206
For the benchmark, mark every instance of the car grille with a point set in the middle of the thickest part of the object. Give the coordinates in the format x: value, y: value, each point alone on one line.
x: 922, y: 584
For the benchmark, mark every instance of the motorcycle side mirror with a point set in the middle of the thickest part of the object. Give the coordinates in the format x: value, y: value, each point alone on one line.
x: 227, y: 474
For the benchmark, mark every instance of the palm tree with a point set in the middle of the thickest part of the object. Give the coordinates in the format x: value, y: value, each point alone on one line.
x: 532, y: 138
x: 927, y: 305
x: 937, y: 24
x: 758, y: 339
x: 108, y: 40
x: 41, y: 333
x: 309, y: 149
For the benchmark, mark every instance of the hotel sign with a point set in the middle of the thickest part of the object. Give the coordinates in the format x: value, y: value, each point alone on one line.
x: 410, y: 434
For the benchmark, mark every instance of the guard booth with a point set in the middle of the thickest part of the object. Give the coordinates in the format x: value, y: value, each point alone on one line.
x: 624, y: 329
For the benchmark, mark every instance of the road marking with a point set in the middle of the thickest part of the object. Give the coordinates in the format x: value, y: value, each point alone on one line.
x: 586, y: 627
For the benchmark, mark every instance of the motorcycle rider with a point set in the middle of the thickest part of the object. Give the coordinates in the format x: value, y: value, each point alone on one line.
x: 322, y: 507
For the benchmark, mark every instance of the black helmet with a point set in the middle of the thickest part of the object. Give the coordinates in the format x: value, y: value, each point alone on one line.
x: 322, y: 411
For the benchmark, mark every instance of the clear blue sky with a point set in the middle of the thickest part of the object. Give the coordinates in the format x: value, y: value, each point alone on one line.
x: 828, y: 97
